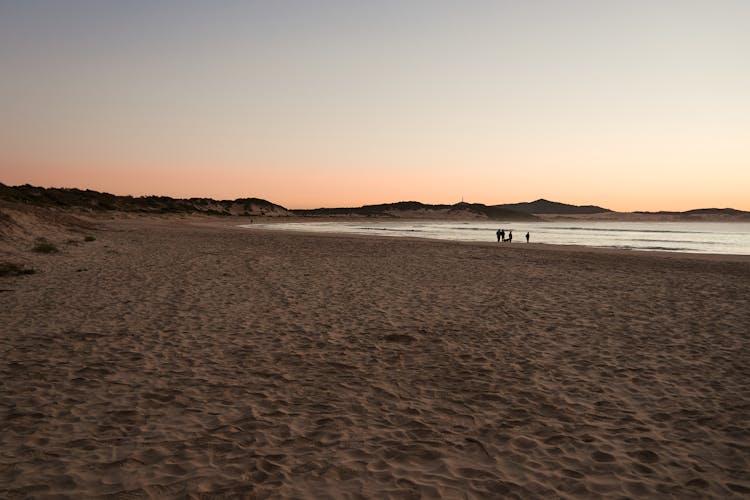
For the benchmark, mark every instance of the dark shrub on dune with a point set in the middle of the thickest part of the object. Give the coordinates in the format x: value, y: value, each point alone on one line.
x: 45, y: 246
x: 13, y: 269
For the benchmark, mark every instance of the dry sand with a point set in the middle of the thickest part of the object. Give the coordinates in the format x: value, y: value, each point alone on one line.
x: 173, y: 359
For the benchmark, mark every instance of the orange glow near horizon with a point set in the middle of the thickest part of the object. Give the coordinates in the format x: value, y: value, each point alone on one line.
x: 328, y: 188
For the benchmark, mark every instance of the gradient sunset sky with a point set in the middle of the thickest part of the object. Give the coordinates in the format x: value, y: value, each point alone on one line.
x: 632, y: 105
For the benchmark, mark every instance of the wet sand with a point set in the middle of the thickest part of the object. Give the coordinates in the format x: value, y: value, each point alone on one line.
x: 172, y: 359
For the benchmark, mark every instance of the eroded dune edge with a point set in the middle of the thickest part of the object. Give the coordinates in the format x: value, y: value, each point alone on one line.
x: 168, y: 359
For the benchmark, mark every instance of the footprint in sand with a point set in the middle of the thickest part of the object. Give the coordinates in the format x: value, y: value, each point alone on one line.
x: 601, y: 456
x: 645, y: 456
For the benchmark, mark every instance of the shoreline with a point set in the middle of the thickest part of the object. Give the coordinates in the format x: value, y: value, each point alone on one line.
x: 538, y: 246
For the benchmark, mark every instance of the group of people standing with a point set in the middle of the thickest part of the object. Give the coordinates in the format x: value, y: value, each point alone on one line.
x: 501, y: 236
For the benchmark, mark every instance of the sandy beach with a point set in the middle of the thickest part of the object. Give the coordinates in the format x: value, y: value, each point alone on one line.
x: 188, y: 358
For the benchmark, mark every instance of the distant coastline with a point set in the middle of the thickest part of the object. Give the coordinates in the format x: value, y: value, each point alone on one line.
x: 539, y: 210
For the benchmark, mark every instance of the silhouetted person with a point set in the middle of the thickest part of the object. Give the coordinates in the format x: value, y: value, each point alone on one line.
x: 510, y: 236
x: 499, y: 235
x: 527, y: 237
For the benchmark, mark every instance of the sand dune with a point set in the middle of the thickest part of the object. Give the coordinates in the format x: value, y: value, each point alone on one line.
x: 172, y: 360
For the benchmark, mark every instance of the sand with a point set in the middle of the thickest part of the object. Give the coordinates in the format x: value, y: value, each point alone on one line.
x: 173, y: 359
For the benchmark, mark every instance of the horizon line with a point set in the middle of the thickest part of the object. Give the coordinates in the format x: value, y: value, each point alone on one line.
x: 219, y: 199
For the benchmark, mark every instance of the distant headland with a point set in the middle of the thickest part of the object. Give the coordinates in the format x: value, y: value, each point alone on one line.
x: 95, y: 201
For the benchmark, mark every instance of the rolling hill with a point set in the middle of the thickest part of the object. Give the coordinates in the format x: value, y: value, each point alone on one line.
x: 101, y: 202
x: 415, y: 209
x: 542, y: 206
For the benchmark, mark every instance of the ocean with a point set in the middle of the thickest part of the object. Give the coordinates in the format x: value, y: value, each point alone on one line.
x: 693, y: 237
